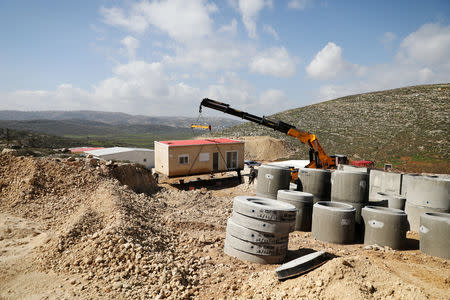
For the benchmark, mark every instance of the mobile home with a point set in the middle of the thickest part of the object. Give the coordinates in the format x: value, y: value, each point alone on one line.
x: 191, y: 157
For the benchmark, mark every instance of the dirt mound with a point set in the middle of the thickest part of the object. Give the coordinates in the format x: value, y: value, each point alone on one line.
x: 266, y: 148
x: 351, y: 278
x: 99, y: 228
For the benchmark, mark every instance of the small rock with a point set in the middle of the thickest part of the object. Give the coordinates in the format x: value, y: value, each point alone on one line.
x: 117, y: 285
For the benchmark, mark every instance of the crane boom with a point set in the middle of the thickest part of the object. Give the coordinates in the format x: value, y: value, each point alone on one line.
x: 318, y: 157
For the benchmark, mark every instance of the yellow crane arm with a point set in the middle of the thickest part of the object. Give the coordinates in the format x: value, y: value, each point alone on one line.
x: 208, y: 127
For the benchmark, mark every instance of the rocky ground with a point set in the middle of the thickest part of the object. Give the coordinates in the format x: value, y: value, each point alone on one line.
x: 84, y: 229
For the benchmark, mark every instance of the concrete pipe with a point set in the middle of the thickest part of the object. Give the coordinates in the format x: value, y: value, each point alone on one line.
x: 301, y: 265
x: 263, y: 225
x: 304, y: 204
x: 271, y: 179
x: 333, y: 222
x: 358, y: 208
x: 260, y: 259
x: 407, y: 178
x: 432, y: 192
x: 350, y: 187
x: 396, y: 201
x: 316, y: 182
x: 385, y: 226
x: 264, y: 208
x: 415, y: 211
x: 382, y: 203
x: 435, y: 234
x: 255, y: 248
x: 254, y: 236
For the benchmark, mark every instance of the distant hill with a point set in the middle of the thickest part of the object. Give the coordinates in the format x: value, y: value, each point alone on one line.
x: 19, y: 138
x: 107, y: 128
x: 85, y: 127
x: 405, y: 126
x: 114, y: 118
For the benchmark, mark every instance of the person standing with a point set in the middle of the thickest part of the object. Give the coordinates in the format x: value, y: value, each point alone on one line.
x: 252, y: 175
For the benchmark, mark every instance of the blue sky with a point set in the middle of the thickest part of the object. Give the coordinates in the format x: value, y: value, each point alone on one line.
x: 163, y: 57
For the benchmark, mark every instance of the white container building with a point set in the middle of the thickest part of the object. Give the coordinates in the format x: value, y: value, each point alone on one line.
x: 143, y: 156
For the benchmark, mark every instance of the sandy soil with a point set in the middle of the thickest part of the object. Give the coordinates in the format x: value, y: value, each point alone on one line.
x: 71, y: 229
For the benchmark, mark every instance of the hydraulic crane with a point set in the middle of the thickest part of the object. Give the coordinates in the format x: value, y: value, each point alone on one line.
x: 317, y: 156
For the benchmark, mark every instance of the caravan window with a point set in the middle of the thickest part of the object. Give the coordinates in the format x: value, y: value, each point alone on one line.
x: 183, y: 159
x: 232, y: 157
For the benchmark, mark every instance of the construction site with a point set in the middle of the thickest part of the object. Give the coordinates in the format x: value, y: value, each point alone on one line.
x: 83, y: 226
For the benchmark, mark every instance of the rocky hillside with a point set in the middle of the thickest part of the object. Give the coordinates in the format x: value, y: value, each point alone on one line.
x: 405, y: 126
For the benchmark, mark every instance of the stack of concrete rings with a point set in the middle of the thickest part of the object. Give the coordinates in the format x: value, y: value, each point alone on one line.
x: 258, y: 231
x: 333, y: 222
x: 304, y: 204
x: 435, y: 234
x: 385, y: 226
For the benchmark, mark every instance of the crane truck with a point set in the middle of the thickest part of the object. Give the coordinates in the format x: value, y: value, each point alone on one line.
x: 317, y: 156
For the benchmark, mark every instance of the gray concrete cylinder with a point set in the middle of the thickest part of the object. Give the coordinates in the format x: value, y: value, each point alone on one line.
x: 316, y: 182
x: 394, y: 200
x: 415, y: 211
x: 350, y: 187
x: 385, y: 226
x: 304, y: 204
x: 271, y: 179
x: 426, y: 194
x: 435, y: 234
x: 426, y: 191
x: 333, y: 222
x: 406, y: 179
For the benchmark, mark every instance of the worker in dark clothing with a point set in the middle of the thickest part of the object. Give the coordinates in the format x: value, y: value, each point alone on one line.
x: 252, y: 175
x: 156, y: 176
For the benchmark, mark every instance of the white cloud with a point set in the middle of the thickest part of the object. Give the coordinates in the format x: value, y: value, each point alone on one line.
x: 422, y: 58
x: 211, y: 55
x: 274, y: 61
x: 428, y: 45
x: 388, y: 38
x: 131, y: 44
x: 231, y: 29
x: 329, y: 64
x: 250, y: 10
x: 233, y: 90
x: 298, y: 4
x: 134, y: 22
x: 182, y: 20
x: 194, y: 21
x: 137, y: 87
x: 271, y: 31
x: 271, y: 98
x: 65, y: 97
